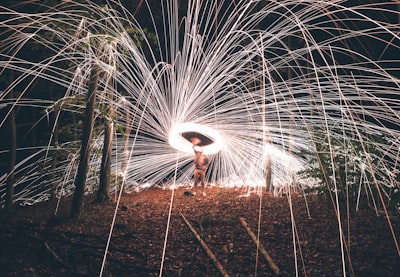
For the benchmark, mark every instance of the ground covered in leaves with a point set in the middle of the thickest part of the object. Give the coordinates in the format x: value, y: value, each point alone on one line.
x: 35, y: 242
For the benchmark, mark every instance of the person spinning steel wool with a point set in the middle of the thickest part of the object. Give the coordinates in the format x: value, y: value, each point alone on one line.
x: 201, y: 162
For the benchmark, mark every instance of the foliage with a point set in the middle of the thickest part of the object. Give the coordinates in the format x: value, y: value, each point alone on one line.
x: 395, y: 199
x: 344, y: 162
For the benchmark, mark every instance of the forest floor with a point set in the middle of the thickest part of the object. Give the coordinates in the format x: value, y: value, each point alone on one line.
x: 35, y: 242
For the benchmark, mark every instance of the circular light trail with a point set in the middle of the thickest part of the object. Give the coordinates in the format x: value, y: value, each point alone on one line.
x: 181, y: 135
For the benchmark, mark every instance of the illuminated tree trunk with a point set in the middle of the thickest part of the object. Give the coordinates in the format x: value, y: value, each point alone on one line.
x: 268, y: 162
x: 292, y: 122
x: 80, y: 179
x: 12, y: 150
x: 291, y: 116
x: 268, y: 173
x: 105, y: 170
x: 125, y: 154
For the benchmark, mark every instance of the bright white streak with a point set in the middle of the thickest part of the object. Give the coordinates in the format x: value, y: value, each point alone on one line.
x: 177, y: 141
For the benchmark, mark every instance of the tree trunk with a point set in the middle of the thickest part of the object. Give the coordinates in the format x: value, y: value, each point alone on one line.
x: 105, y: 170
x: 268, y: 162
x: 268, y: 173
x: 12, y: 152
x: 125, y: 157
x: 80, y: 179
x: 55, y: 156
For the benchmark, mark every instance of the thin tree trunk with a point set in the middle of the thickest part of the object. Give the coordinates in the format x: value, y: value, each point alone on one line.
x: 268, y: 173
x: 105, y: 170
x: 292, y: 121
x: 12, y: 152
x: 80, y: 179
x: 125, y: 157
x: 55, y: 155
x: 268, y: 162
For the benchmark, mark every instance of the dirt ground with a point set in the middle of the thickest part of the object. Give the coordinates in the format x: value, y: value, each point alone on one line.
x: 35, y: 242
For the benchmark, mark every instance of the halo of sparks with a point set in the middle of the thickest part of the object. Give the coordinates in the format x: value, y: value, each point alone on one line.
x: 241, y: 76
x: 180, y: 143
x: 279, y: 82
